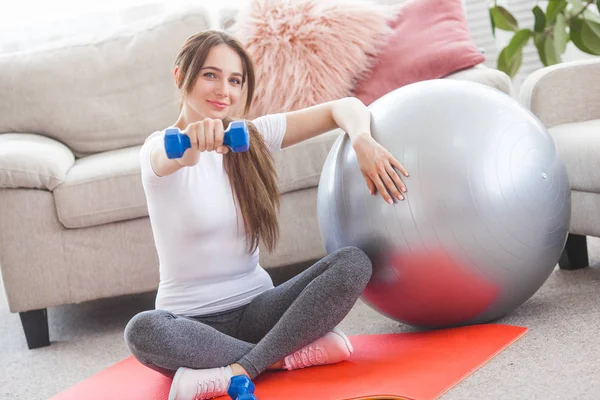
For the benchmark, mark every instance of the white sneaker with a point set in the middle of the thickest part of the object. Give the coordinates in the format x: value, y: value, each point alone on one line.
x: 332, y: 348
x: 200, y: 384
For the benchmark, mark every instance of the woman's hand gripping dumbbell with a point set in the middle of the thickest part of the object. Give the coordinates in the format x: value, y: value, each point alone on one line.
x: 205, y: 135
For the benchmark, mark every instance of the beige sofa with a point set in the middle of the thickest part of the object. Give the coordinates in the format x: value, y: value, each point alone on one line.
x: 566, y: 98
x: 73, y: 217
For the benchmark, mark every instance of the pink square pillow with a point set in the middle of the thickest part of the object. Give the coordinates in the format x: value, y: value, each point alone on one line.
x: 308, y: 52
x: 431, y: 39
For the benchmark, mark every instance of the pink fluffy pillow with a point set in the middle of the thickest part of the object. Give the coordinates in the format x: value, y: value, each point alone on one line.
x: 308, y: 52
x: 431, y: 39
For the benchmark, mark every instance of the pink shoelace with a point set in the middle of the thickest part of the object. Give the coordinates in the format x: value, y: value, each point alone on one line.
x: 306, y: 357
x: 209, y: 389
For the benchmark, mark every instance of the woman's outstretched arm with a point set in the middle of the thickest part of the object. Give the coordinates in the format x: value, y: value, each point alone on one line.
x: 349, y: 114
x: 377, y: 164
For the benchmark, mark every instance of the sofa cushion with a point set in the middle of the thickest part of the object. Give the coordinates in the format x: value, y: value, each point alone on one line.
x: 102, y: 94
x: 102, y: 188
x: 579, y: 147
x: 107, y: 187
x: 33, y: 161
x: 487, y: 76
x: 226, y: 14
x: 310, y: 51
x: 431, y: 39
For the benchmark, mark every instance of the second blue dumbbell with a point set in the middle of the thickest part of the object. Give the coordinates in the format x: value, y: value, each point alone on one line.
x: 236, y: 138
x: 241, y: 388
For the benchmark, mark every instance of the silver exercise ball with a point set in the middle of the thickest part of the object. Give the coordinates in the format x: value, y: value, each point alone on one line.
x: 486, y: 213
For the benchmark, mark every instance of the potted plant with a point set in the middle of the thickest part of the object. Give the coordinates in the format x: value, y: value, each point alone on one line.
x: 560, y: 22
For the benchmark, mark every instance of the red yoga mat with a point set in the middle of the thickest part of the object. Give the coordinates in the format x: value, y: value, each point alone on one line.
x: 414, y: 366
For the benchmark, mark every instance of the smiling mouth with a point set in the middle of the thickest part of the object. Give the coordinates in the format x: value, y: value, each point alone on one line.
x: 217, y: 103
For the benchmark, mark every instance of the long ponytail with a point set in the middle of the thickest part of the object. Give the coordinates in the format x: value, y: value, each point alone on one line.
x: 253, y: 181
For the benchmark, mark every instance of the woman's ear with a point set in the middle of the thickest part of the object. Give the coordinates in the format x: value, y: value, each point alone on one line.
x: 176, y: 75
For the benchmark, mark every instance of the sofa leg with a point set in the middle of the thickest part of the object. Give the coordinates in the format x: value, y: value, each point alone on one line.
x: 35, y: 325
x: 575, y: 254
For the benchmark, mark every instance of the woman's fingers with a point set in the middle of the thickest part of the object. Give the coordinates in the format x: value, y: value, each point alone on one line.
x: 396, y: 163
x: 384, y: 174
x: 190, y: 131
x: 381, y: 187
x: 379, y: 169
x: 201, y: 137
x: 219, y: 135
x: 370, y: 183
x: 396, y: 180
x: 209, y: 134
x: 386, y: 181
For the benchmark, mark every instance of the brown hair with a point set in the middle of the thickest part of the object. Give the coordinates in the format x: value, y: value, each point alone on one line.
x: 252, y: 174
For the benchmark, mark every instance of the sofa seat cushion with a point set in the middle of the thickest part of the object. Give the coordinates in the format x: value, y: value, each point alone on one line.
x: 33, y: 161
x: 578, y: 145
x: 102, y: 188
x: 107, y: 187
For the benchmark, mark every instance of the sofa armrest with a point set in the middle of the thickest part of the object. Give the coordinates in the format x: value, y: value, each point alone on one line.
x: 33, y: 161
x: 563, y: 93
x: 485, y: 75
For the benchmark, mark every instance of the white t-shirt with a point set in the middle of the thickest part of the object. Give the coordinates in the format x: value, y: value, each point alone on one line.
x: 205, y: 266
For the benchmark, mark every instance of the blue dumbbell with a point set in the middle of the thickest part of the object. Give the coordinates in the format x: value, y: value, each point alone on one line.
x: 236, y: 138
x: 241, y: 388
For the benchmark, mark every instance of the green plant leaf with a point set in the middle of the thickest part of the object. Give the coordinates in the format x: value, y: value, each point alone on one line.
x: 574, y: 7
x: 539, y: 39
x: 540, y: 19
x: 592, y: 16
x: 552, y: 56
x: 546, y: 47
x: 518, y: 41
x: 492, y: 23
x: 585, y: 34
x: 503, y: 19
x: 555, y: 7
x: 561, y: 37
x: 510, y: 66
x: 510, y: 58
x: 575, y: 28
x: 577, y: 6
x: 598, y: 5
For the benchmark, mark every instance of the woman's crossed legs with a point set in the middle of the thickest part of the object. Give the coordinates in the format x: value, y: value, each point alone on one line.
x: 261, y: 334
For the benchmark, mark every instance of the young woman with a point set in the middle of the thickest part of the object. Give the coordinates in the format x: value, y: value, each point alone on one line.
x: 217, y: 313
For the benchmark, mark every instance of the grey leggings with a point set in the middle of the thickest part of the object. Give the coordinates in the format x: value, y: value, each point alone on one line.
x: 273, y: 325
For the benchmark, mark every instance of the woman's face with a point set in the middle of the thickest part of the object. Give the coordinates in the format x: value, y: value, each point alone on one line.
x: 218, y: 88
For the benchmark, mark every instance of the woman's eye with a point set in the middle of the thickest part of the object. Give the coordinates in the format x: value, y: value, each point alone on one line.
x: 236, y: 81
x: 209, y: 75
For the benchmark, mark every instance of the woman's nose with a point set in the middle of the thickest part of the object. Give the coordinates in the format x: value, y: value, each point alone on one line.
x: 222, y: 88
